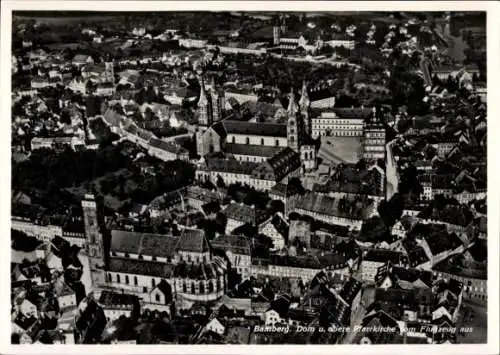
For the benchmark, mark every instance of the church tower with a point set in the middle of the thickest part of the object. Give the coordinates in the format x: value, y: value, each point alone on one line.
x: 276, y: 32
x: 304, y: 105
x: 292, y: 125
x: 204, y: 107
x: 94, y: 245
x: 217, y: 102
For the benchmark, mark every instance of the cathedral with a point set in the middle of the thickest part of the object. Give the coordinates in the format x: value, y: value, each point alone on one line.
x: 255, y: 142
x: 157, y: 268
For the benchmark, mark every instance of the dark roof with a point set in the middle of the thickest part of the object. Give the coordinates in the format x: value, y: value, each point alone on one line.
x: 327, y: 205
x: 281, y: 305
x: 281, y: 225
x: 255, y: 129
x: 237, y: 244
x: 193, y: 240
x: 252, y: 150
x: 244, y: 213
x: 383, y: 256
x: 140, y: 267
x: 228, y: 166
x: 442, y: 241
x: 350, y: 289
x: 143, y: 243
x: 24, y: 322
x: 114, y: 299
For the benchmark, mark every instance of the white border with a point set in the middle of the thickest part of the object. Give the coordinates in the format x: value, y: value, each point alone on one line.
x: 493, y: 43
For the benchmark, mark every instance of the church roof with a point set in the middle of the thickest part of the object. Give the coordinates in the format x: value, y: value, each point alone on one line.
x: 252, y: 150
x: 193, y: 240
x: 140, y: 267
x: 143, y: 243
x: 255, y: 128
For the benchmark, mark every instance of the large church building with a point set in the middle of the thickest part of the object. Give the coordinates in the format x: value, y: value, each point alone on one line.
x: 157, y: 268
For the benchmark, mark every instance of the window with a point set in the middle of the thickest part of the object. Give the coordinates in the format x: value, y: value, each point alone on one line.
x: 144, y: 289
x: 184, y: 287
x: 126, y: 279
x: 234, y: 139
x: 247, y: 140
x: 153, y: 283
x: 109, y: 278
x: 126, y: 255
x: 141, y: 257
x: 292, y: 139
x: 117, y: 278
x: 202, y: 288
x: 135, y: 280
x: 210, y: 287
x: 262, y: 141
x: 157, y: 297
x: 153, y: 258
x: 192, y: 288
x: 277, y: 143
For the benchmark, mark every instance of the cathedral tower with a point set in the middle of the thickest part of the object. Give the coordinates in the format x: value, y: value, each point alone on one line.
x: 217, y: 101
x: 293, y: 134
x: 204, y: 107
x: 94, y: 245
x: 304, y: 105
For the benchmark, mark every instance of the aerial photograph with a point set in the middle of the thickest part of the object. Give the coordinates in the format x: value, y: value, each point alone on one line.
x: 248, y: 177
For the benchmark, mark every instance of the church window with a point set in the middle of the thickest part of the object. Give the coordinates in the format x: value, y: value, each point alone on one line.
x: 126, y: 279
x: 153, y: 283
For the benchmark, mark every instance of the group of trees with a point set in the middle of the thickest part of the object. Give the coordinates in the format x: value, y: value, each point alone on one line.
x: 48, y: 170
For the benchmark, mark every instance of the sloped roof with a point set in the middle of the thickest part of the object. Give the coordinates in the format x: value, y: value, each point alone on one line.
x: 140, y: 267
x: 255, y: 128
x: 193, y: 240
x: 143, y: 243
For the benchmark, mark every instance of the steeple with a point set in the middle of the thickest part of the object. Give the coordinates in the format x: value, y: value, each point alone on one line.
x: 204, y: 106
x: 292, y: 105
x: 217, y: 101
x: 304, y: 102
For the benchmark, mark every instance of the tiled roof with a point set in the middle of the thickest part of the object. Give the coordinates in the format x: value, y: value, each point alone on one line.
x: 143, y: 243
x: 193, y: 240
x: 327, y: 205
x: 229, y: 166
x: 237, y: 244
x: 255, y: 129
x: 383, y: 256
x: 140, y: 267
x: 245, y: 213
x: 108, y: 298
x: 252, y: 150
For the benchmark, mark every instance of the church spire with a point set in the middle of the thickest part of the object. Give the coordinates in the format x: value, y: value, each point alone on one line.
x: 204, y: 106
x: 203, y: 101
x: 304, y: 97
x: 292, y: 105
